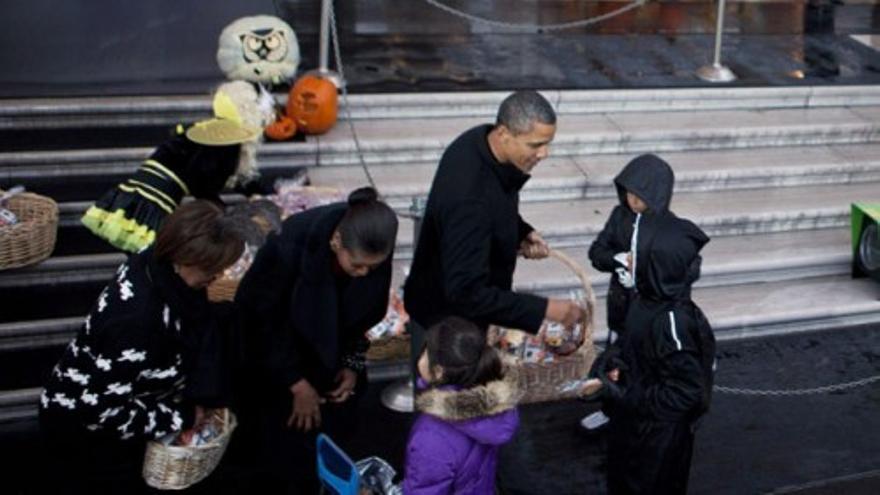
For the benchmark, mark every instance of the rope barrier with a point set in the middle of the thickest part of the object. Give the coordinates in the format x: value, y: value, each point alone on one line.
x: 344, y: 86
x: 797, y: 392
x: 837, y: 387
x: 535, y: 28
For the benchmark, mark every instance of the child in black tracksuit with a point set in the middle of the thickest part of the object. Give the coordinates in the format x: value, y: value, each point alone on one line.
x: 657, y: 379
x: 644, y: 188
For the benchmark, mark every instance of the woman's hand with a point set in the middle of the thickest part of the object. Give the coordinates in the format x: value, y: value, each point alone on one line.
x: 306, y: 413
x: 345, y: 381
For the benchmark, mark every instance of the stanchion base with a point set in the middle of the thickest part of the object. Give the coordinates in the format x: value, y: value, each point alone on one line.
x: 399, y: 396
x: 715, y: 73
x: 334, y: 77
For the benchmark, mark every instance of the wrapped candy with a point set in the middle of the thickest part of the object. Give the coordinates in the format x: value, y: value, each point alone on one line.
x: 293, y: 197
x: 7, y: 218
x: 552, y: 340
x: 395, y: 319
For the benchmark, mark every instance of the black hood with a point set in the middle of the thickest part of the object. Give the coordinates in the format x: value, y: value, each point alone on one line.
x: 674, y: 261
x: 648, y: 177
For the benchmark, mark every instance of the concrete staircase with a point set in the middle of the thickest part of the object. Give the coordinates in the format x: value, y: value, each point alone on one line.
x: 768, y: 172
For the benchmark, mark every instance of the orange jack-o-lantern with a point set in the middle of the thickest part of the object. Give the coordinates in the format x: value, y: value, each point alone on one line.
x: 312, y: 103
x: 282, y: 129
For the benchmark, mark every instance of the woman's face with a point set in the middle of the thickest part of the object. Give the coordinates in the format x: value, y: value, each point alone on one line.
x: 194, y: 276
x: 355, y: 263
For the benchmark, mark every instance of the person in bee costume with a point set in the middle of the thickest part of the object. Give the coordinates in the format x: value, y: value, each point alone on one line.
x: 199, y: 161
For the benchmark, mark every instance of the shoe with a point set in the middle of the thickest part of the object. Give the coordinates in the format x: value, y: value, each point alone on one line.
x: 595, y: 421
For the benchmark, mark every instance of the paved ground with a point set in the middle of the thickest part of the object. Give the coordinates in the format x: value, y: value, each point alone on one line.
x: 814, y: 445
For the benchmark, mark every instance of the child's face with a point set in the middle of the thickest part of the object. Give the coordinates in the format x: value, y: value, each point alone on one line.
x: 424, y: 368
x: 635, y: 203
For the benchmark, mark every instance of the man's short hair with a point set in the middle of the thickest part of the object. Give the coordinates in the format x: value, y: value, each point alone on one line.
x: 522, y: 109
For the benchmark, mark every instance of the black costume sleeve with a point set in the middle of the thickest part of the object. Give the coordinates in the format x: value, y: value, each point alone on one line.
x: 605, y: 246
x: 678, y: 389
x: 209, y: 356
x: 108, y: 377
x: 265, y: 297
x: 524, y: 229
x: 465, y: 250
x: 355, y: 345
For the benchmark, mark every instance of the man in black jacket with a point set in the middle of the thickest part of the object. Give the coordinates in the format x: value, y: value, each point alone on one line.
x: 472, y: 231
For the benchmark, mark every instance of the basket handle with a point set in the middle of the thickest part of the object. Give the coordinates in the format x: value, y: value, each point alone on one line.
x: 584, y: 277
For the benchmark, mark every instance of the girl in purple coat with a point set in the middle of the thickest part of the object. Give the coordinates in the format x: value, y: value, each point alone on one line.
x: 468, y: 406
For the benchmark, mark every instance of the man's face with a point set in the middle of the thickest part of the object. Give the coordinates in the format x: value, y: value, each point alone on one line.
x: 525, y: 150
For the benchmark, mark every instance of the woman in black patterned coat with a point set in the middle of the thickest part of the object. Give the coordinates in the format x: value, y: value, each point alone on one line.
x: 145, y: 362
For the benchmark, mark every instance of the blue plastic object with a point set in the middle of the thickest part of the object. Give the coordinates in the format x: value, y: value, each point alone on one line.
x: 336, y: 471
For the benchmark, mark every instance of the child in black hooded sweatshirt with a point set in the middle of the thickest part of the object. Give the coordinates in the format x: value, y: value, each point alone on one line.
x: 644, y: 188
x: 657, y: 379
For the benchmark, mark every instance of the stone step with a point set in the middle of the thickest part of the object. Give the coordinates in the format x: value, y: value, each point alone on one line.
x: 18, y: 405
x: 732, y: 260
x: 134, y: 111
x: 557, y: 178
x: 725, y: 213
x: 588, y: 177
x: 783, y: 256
x: 776, y: 308
x: 746, y: 311
x: 720, y: 213
x: 399, y: 141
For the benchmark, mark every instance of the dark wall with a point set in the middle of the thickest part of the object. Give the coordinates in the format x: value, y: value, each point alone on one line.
x: 56, y: 47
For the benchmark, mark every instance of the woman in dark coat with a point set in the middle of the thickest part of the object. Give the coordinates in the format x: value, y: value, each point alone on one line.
x: 146, y: 362
x: 306, y: 303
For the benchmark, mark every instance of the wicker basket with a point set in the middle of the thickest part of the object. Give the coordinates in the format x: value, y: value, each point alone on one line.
x: 389, y: 348
x: 32, y: 239
x: 540, y: 382
x: 176, y: 467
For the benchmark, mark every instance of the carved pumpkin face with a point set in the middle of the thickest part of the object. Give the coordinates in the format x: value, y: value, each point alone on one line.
x: 282, y: 129
x: 313, y: 104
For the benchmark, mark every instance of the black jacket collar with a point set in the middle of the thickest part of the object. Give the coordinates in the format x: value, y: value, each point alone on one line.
x: 512, y: 179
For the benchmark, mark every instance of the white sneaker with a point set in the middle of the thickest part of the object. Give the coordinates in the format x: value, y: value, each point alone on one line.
x: 594, y: 421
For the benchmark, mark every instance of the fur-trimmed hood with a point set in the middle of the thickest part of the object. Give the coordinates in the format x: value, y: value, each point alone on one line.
x: 462, y: 404
x: 454, y: 443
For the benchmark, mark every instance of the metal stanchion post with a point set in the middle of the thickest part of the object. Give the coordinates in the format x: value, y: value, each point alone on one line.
x: 399, y: 395
x: 324, y: 48
x: 717, y: 72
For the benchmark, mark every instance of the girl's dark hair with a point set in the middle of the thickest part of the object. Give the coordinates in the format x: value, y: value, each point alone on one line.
x: 459, y: 347
x: 199, y: 234
x: 369, y: 226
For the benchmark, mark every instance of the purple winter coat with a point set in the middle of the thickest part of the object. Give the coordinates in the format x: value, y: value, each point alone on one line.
x: 453, y: 445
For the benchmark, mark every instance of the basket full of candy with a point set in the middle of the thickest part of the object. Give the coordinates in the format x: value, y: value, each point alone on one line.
x: 556, y: 356
x: 178, y: 461
x: 28, y: 227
